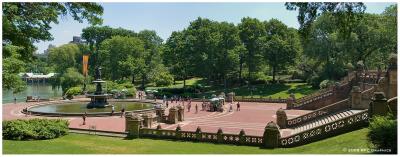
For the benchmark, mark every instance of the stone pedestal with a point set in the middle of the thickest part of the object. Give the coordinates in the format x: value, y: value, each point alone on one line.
x: 271, y: 136
x: 230, y: 97
x: 133, y: 123
x: 160, y: 112
x: 173, y: 115
x: 281, y: 118
x: 356, y: 98
x: 293, y: 97
x: 148, y: 120
x: 379, y: 105
x: 289, y: 103
x: 181, y: 113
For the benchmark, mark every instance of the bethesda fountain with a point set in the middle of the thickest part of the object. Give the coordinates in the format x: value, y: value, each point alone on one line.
x: 98, y: 99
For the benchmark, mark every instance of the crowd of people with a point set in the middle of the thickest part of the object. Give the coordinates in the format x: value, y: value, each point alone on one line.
x: 205, y: 106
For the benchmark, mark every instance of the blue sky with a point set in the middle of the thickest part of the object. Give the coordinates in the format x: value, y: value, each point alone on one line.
x: 165, y: 18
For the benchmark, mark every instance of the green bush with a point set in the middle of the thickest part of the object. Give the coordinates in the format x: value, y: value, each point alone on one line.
x: 34, y: 129
x: 164, y: 79
x: 73, y: 91
x: 326, y: 84
x: 383, y: 133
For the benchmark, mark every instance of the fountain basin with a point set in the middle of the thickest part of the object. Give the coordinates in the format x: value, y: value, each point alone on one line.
x: 78, y: 108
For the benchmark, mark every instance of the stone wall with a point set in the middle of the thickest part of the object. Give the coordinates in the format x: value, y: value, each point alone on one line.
x: 335, y: 107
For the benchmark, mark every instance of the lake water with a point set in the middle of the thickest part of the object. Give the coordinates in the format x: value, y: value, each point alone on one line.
x: 44, y: 91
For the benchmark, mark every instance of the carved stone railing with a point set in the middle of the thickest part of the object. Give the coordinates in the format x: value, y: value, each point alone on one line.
x: 219, y: 137
x: 319, y: 113
x: 338, y: 93
x: 327, y: 130
x: 259, y: 99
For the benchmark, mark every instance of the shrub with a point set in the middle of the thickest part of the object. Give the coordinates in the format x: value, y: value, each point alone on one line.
x: 383, y: 133
x: 164, y: 79
x: 73, y: 91
x: 326, y: 84
x: 34, y: 129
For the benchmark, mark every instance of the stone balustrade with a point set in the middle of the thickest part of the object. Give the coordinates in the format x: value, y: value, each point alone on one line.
x: 319, y: 113
x: 259, y: 99
x: 340, y: 126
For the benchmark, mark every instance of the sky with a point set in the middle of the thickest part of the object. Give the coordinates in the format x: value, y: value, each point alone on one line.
x: 165, y: 18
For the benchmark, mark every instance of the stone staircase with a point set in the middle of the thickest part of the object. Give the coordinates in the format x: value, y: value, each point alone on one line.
x: 324, y: 120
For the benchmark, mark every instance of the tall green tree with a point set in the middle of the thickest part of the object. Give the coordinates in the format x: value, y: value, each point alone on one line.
x: 122, y: 57
x: 12, y: 65
x: 281, y: 46
x: 64, y: 57
x: 251, y: 30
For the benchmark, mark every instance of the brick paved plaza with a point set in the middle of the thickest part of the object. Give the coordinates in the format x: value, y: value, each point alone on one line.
x: 252, y: 117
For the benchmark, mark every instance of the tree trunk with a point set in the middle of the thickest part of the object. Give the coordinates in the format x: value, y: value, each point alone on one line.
x: 184, y: 82
x: 273, y: 74
x: 143, y: 80
x: 133, y: 79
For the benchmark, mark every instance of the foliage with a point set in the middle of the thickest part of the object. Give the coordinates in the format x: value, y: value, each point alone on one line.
x: 73, y: 91
x: 121, y: 57
x: 326, y: 84
x: 64, y: 57
x: 12, y: 65
x: 70, y: 79
x: 383, y: 133
x: 25, y: 23
x: 281, y: 46
x: 34, y: 129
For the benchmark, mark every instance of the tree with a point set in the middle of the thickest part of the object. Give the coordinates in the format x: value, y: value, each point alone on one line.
x: 71, y: 78
x: 251, y: 30
x: 152, y: 59
x: 346, y: 14
x: 25, y: 23
x: 95, y: 35
x: 12, y: 65
x: 64, y: 57
x: 281, y: 46
x: 121, y: 57
x: 176, y: 56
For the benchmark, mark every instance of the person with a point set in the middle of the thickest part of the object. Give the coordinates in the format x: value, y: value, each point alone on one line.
x: 122, y: 111
x: 15, y: 100
x: 197, y: 108
x: 112, y: 110
x: 188, y: 106
x: 164, y: 99
x: 84, y: 118
x: 167, y: 103
x: 238, y: 107
x: 230, y: 107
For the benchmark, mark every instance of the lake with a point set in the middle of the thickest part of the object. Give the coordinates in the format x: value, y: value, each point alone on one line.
x: 45, y: 91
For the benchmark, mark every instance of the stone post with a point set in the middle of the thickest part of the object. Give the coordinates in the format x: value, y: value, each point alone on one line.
x: 173, y: 115
x: 181, y: 113
x: 379, y: 105
x: 289, y: 103
x: 178, y: 132
x: 160, y: 112
x: 133, y: 124
x: 292, y: 96
x: 148, y: 120
x: 242, y: 137
x: 220, y: 137
x: 281, y: 118
x: 231, y: 97
x: 271, y: 135
x: 198, y: 134
x: 356, y: 98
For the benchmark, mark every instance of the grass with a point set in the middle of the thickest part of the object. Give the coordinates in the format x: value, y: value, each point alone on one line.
x: 92, y: 144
